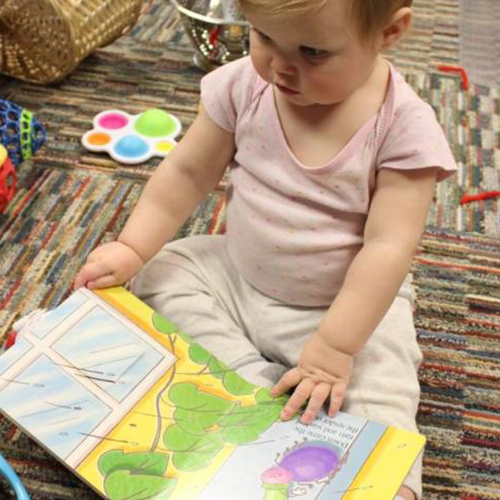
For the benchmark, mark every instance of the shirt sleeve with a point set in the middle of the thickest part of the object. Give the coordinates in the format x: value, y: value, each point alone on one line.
x: 416, y: 140
x: 226, y: 91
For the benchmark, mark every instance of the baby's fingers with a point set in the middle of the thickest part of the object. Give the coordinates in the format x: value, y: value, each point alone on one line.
x: 290, y: 379
x: 92, y: 274
x: 317, y: 398
x: 300, y: 395
x: 336, y: 398
x: 103, y: 282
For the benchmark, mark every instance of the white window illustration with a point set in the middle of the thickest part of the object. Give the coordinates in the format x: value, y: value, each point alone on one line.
x: 75, y: 373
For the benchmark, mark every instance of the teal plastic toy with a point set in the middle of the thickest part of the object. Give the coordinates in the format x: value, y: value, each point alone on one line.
x: 8, y: 472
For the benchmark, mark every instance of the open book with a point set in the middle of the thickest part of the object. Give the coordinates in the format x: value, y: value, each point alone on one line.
x: 139, y: 411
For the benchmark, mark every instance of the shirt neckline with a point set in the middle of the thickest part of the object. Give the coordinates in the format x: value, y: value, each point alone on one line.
x: 351, y: 146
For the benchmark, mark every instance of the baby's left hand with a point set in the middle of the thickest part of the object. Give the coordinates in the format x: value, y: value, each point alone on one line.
x: 323, y: 372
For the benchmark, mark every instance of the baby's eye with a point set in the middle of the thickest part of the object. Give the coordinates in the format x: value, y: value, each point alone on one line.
x: 313, y: 53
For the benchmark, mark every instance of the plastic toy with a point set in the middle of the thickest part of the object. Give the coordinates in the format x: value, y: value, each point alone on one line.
x: 8, y: 472
x: 20, y: 132
x: 447, y: 68
x: 469, y: 198
x: 10, y: 340
x: 133, y: 139
x: 8, y: 179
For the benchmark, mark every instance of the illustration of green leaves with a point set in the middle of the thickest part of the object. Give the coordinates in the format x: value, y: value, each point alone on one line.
x: 200, y: 452
x: 205, y: 422
x: 217, y: 368
x: 177, y: 439
x: 152, y: 463
x: 237, y: 385
x: 248, y: 423
x: 125, y: 483
x: 232, y: 382
x: 196, y: 410
x: 199, y: 355
x: 164, y: 326
x: 135, y: 476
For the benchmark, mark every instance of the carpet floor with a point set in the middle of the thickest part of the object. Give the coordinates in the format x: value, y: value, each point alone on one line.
x: 479, y: 39
x: 69, y: 200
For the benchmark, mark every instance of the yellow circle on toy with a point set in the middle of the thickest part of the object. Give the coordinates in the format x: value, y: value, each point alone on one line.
x: 164, y: 146
x: 3, y: 155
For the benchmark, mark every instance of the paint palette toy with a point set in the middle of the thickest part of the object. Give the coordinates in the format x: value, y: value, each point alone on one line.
x: 133, y: 139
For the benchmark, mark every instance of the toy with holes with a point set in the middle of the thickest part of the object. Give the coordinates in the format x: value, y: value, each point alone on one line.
x: 7, y: 179
x: 20, y: 132
x: 133, y: 139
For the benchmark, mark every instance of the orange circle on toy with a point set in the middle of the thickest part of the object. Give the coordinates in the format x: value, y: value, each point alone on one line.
x: 99, y: 139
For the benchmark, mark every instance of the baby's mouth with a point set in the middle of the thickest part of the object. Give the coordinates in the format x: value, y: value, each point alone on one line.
x: 286, y: 90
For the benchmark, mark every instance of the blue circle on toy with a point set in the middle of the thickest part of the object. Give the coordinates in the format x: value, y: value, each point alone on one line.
x: 131, y: 146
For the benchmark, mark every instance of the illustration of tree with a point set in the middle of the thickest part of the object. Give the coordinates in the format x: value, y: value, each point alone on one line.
x: 203, y: 424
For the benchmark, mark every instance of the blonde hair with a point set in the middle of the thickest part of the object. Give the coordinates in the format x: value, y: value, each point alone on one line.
x: 371, y: 16
x: 368, y: 16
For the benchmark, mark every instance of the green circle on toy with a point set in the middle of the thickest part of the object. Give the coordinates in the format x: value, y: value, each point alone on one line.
x: 155, y: 123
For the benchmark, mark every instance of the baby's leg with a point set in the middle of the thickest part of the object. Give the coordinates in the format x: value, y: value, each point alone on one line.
x: 193, y: 283
x: 385, y: 386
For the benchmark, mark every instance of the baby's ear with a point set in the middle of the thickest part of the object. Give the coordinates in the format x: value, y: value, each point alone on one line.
x: 397, y: 27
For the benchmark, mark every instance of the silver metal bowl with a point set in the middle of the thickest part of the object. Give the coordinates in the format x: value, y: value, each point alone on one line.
x: 217, y: 39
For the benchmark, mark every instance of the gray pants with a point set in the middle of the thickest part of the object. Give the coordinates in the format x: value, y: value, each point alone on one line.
x: 193, y: 283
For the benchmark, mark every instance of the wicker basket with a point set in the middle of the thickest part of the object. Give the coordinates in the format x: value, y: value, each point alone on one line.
x: 43, y: 40
x: 216, y: 40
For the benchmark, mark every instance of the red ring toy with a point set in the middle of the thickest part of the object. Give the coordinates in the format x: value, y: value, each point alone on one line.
x: 8, y: 179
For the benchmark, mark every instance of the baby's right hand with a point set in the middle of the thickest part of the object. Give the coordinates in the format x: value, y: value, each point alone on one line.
x: 109, y: 265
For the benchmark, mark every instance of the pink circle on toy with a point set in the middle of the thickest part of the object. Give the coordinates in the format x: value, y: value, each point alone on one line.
x: 113, y: 121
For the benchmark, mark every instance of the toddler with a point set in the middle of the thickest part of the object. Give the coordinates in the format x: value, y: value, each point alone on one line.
x: 333, y: 161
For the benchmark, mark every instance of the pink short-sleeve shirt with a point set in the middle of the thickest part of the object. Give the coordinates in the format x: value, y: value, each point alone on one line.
x: 292, y: 230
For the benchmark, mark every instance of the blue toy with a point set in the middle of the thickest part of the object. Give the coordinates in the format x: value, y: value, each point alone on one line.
x: 8, y: 472
x: 20, y: 132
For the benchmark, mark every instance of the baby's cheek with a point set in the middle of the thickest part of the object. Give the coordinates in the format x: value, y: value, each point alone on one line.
x: 261, y: 62
x: 326, y: 89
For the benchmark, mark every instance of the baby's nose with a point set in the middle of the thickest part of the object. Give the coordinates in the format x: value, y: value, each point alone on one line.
x: 281, y: 64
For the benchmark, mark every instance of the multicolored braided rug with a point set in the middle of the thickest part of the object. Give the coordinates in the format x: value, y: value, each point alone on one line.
x: 458, y: 325
x: 480, y: 40
x: 69, y: 200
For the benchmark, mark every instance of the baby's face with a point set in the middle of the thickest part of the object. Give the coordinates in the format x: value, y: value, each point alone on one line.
x: 316, y: 58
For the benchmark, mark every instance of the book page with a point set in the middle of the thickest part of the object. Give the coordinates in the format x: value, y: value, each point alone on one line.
x: 137, y: 409
x: 304, y: 462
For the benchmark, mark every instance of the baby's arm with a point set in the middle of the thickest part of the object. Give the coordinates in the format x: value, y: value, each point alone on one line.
x: 393, y: 229
x: 180, y: 182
